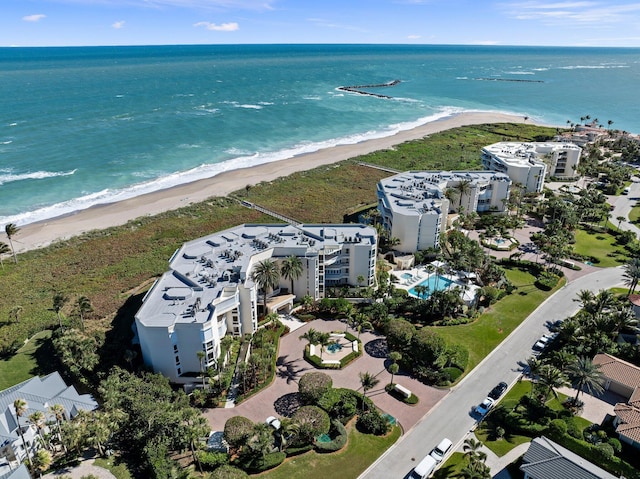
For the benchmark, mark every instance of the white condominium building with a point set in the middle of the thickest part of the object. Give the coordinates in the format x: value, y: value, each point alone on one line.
x: 529, y: 163
x: 414, y: 207
x: 208, y: 291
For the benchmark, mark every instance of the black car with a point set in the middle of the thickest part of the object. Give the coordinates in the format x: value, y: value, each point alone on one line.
x: 498, y: 391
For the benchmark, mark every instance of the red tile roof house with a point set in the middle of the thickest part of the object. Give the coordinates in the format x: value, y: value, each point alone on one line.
x: 635, y: 304
x: 623, y: 378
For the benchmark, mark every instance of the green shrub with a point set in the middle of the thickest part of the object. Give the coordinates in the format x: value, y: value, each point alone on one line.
x: 312, y: 386
x: 212, y: 460
x: 342, y: 404
x: 452, y: 374
x: 228, y: 472
x: 313, y: 422
x: 605, y: 451
x: 338, y: 442
x: 615, y: 444
x: 372, y: 422
x: 557, y: 427
x: 295, y: 451
x: 411, y: 400
x: 269, y: 461
x: 573, y: 429
x: 546, y: 281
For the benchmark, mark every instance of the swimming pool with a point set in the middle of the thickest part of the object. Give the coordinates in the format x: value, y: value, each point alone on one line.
x: 434, y: 282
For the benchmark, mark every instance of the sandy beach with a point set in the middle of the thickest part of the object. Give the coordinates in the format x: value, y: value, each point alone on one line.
x: 41, y: 234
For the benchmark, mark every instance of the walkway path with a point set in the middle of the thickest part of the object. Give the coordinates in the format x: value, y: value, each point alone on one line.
x: 277, y: 397
x: 85, y: 468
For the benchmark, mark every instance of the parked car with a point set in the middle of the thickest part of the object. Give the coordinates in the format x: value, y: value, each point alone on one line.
x: 424, y: 468
x: 440, y: 451
x: 498, y: 391
x: 483, y: 408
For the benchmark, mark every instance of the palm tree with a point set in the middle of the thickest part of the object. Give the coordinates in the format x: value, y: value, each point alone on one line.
x: 266, y: 275
x: 550, y: 379
x: 291, y: 269
x: 11, y: 230
x: 324, y: 339
x: 201, y: 355
x: 631, y: 274
x: 37, y: 418
x: 59, y: 300
x: 620, y: 220
x: 58, y: 412
x: 4, y: 249
x: 42, y: 461
x: 393, y: 369
x: 585, y: 375
x: 311, y: 336
x: 84, y: 307
x: 288, y: 430
x: 20, y: 408
x: 463, y: 188
x: 368, y: 381
x: 472, y: 450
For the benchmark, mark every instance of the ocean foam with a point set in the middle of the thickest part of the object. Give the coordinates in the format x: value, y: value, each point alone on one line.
x: 6, y: 176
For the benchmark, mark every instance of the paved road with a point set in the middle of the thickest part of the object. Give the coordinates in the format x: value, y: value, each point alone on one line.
x: 451, y: 417
x: 622, y: 206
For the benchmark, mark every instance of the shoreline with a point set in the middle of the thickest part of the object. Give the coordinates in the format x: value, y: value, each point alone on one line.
x: 43, y: 233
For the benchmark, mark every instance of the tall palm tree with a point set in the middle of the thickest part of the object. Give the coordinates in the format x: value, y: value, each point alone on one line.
x: 631, y: 274
x: 585, y: 375
x: 20, y: 408
x: 324, y: 339
x: 4, y: 249
x: 463, y: 188
x: 311, y: 336
x: 84, y: 307
x: 620, y: 220
x: 38, y: 419
x: 11, y: 230
x: 59, y: 300
x: 201, y: 355
x: 266, y: 275
x: 472, y: 450
x: 551, y: 378
x: 291, y: 269
x: 58, y: 413
x: 368, y: 381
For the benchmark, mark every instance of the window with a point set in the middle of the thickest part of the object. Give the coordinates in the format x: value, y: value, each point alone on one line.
x: 177, y: 359
x: 179, y: 371
x: 175, y: 348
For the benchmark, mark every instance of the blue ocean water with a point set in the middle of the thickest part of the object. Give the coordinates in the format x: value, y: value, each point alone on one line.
x: 86, y: 125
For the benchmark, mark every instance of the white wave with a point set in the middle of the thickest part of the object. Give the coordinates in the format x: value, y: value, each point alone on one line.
x: 266, y: 103
x: 520, y: 72
x: 462, y: 78
x: 541, y: 69
x: 207, y: 108
x: 13, y: 124
x: 249, y: 106
x: 592, y: 67
x: 6, y: 176
x: 243, y: 160
x: 119, y: 96
x: 8, y: 142
x: 188, y: 146
x: 311, y: 97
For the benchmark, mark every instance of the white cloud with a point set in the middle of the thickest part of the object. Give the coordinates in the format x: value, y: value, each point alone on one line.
x: 485, y: 42
x: 578, y: 12
x: 118, y: 25
x: 414, y: 37
x: 223, y: 27
x: 34, y: 18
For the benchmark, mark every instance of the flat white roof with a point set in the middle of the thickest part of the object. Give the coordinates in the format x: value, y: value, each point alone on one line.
x: 209, y: 269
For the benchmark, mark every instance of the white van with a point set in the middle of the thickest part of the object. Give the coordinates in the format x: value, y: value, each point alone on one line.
x: 441, y: 450
x: 626, y: 191
x: 424, y: 468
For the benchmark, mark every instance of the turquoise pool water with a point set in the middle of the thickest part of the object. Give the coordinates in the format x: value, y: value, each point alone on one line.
x: 435, y: 282
x: 334, y: 347
x: 407, y: 276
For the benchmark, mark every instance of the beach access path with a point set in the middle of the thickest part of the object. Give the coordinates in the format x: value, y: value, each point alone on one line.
x: 43, y: 233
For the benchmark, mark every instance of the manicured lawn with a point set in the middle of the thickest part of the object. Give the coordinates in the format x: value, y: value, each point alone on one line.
x: 117, y: 469
x: 361, y: 451
x: 600, y: 246
x: 491, y: 328
x: 451, y: 468
x: 24, y: 364
x: 634, y: 214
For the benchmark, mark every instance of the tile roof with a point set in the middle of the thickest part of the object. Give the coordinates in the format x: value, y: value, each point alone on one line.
x: 635, y: 299
x: 618, y: 370
x: 547, y: 460
x: 628, y: 421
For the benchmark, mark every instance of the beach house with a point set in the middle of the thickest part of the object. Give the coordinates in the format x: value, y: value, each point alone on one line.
x: 529, y: 163
x: 209, y: 292
x: 39, y: 394
x: 414, y: 205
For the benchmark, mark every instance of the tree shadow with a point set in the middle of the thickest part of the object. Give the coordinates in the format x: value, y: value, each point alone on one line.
x: 377, y: 348
x: 43, y: 356
x: 118, y: 339
x: 288, y: 404
x: 287, y: 369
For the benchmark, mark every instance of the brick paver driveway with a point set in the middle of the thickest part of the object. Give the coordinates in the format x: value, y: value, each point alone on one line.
x: 291, y: 366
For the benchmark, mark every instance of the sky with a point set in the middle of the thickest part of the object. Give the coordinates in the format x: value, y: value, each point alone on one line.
x: 171, y: 22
